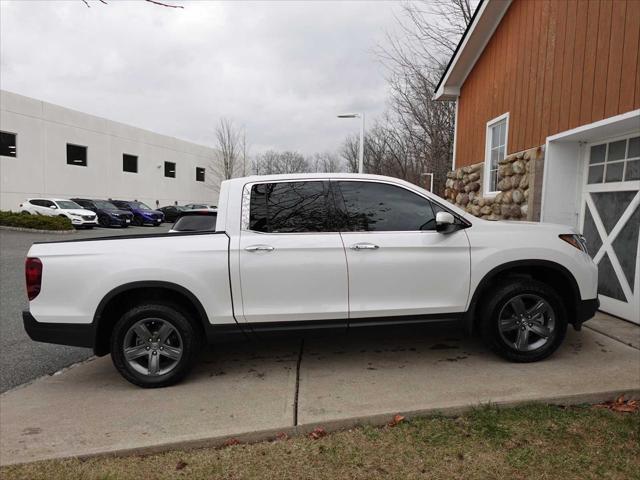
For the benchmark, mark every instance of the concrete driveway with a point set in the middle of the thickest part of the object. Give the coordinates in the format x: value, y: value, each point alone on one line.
x: 253, y: 391
x: 21, y: 359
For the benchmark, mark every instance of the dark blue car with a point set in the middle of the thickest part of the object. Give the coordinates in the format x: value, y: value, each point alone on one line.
x: 108, y: 214
x: 142, y: 214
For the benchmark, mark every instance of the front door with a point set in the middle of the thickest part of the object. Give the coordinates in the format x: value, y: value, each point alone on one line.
x: 399, y: 265
x: 292, y: 265
x: 611, y: 223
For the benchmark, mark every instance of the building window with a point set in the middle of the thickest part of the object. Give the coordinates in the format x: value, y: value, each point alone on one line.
x: 170, y: 169
x: 199, y: 174
x: 129, y: 163
x: 76, y: 155
x: 8, y: 144
x: 617, y: 161
x: 496, y: 150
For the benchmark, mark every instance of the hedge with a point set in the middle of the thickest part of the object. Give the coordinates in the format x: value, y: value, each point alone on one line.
x: 36, y: 222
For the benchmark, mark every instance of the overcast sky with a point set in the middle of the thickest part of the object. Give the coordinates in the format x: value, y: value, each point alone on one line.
x: 282, y: 69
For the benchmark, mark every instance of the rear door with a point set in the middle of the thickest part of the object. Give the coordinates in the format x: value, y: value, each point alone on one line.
x: 399, y: 265
x: 292, y: 261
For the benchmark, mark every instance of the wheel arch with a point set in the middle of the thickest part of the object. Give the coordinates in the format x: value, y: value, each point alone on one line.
x: 116, y: 302
x: 553, y: 274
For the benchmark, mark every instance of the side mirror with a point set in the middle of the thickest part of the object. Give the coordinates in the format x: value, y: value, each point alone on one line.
x: 53, y: 207
x: 445, y: 222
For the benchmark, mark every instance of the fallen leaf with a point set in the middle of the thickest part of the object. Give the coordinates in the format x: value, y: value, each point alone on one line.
x: 620, y: 405
x: 396, y: 420
x: 317, y: 433
x: 180, y: 465
x: 282, y: 436
x: 231, y: 441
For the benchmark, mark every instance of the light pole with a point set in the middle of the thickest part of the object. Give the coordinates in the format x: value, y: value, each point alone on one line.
x: 431, y: 175
x: 361, y: 148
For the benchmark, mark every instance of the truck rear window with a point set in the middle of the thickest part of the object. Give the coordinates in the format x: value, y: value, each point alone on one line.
x: 196, y: 223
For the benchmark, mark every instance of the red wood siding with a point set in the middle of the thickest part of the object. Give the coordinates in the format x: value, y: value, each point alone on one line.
x: 553, y: 65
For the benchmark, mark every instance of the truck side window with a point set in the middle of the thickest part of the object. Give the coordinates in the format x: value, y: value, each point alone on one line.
x: 380, y: 207
x: 289, y: 207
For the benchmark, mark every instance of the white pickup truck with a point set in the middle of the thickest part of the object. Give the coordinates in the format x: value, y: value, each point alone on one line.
x: 310, y: 251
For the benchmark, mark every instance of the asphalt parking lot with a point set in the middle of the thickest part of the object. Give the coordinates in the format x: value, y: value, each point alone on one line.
x: 22, y: 359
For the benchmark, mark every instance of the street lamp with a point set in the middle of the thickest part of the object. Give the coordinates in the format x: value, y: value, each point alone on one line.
x: 431, y: 175
x: 361, y: 148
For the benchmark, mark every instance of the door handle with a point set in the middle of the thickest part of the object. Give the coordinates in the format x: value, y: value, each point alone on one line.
x: 259, y: 248
x: 364, y: 246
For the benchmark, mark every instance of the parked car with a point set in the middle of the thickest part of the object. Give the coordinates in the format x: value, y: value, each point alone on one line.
x: 172, y: 212
x: 297, y: 252
x: 60, y: 207
x: 195, y: 221
x: 142, y: 214
x: 108, y: 214
x: 200, y: 206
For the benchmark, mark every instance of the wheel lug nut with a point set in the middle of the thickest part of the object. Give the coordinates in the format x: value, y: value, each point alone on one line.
x: 155, y: 353
x: 147, y: 348
x: 531, y: 324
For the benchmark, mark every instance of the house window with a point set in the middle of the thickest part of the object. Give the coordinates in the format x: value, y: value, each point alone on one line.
x: 8, y: 144
x: 199, y: 174
x: 129, y: 163
x: 76, y: 155
x: 617, y: 161
x: 170, y: 169
x: 496, y: 139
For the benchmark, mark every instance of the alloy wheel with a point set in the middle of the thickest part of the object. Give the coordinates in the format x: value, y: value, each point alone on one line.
x: 152, y: 347
x: 527, y: 322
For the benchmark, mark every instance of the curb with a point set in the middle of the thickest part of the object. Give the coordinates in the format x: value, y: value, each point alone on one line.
x: 339, y: 425
x: 35, y: 230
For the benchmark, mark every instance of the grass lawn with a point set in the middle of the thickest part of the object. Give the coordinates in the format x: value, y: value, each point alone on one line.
x: 534, y: 441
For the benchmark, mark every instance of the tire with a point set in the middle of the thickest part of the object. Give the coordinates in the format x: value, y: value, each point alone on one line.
x: 136, y: 221
x: 506, y: 326
x: 24, y: 212
x: 104, y: 221
x: 168, y: 370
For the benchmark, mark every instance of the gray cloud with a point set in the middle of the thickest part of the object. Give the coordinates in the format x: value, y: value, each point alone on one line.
x: 283, y: 69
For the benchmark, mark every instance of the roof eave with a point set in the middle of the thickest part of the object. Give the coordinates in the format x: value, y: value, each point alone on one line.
x: 484, y: 23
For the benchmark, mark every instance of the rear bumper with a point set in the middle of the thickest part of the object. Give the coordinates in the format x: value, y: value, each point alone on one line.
x: 75, y: 335
x: 585, y: 310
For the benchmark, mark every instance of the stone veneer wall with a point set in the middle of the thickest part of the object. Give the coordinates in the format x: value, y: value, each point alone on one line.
x: 518, y: 185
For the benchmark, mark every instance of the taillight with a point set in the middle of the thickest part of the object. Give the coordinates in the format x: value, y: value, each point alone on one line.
x: 33, y: 274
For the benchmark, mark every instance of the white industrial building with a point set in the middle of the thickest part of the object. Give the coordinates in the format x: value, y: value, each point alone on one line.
x: 48, y: 150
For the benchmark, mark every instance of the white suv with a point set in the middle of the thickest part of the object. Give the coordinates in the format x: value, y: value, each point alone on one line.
x: 59, y: 207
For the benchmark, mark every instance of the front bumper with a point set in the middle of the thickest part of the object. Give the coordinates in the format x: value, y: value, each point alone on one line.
x: 585, y: 310
x: 81, y: 222
x: 120, y: 221
x: 75, y: 335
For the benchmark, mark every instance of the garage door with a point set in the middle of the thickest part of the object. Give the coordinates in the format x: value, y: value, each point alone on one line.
x: 611, y: 222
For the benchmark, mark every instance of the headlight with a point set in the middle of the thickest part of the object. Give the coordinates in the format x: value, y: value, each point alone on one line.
x: 575, y: 240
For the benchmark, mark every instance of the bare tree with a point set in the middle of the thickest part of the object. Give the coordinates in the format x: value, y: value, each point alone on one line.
x: 349, y: 152
x: 272, y: 162
x: 327, y: 162
x: 226, y: 163
x: 155, y: 2
x: 417, y: 134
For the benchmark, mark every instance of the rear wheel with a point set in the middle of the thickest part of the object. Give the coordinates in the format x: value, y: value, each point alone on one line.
x: 154, y: 345
x: 524, y: 321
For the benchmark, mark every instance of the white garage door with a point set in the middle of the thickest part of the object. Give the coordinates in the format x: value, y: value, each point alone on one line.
x: 611, y: 222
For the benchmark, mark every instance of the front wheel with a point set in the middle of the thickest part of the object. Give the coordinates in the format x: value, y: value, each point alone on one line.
x: 137, y: 221
x: 154, y: 345
x: 524, y: 321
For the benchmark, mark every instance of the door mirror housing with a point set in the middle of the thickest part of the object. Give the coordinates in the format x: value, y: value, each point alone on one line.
x: 53, y: 207
x: 445, y: 222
